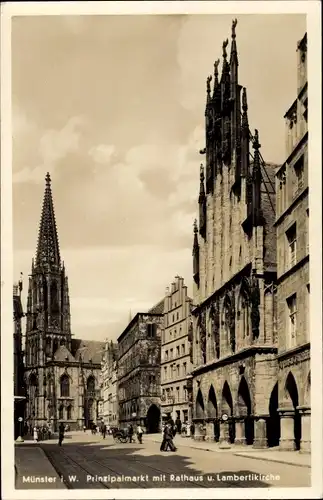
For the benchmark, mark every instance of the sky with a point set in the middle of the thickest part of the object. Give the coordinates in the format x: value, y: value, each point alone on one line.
x: 113, y: 108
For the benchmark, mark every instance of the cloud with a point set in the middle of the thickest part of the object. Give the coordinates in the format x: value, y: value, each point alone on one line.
x: 53, y: 146
x: 151, y: 192
x: 102, y: 154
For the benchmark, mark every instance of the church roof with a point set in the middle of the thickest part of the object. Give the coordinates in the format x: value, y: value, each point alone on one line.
x: 88, y: 351
x: 157, y: 308
x: 62, y: 353
x: 17, y: 306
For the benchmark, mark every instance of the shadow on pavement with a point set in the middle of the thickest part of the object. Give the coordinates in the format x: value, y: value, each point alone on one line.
x: 107, y: 465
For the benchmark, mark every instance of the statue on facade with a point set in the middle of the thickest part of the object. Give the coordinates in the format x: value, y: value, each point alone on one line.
x: 232, y: 326
x: 203, y: 336
x: 255, y: 303
x: 215, y: 319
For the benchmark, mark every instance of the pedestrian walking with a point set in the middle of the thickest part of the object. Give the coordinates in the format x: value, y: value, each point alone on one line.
x: 139, y: 433
x: 168, y: 439
x: 130, y: 433
x: 84, y: 428
x: 61, y: 431
x: 36, y: 434
x: 103, y: 430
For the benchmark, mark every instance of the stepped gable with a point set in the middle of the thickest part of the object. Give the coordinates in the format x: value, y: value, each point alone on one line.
x: 63, y: 354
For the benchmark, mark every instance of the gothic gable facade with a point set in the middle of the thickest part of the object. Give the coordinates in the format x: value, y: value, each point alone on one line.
x: 234, y: 264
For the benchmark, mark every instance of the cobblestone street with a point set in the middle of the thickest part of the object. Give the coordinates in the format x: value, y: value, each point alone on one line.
x: 87, y: 461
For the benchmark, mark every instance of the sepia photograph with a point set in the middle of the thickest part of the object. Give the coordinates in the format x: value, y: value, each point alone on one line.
x: 156, y: 236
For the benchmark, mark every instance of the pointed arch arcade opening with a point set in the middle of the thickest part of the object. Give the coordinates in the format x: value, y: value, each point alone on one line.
x: 227, y: 408
x: 273, y: 422
x: 244, y: 410
x: 153, y: 419
x: 291, y: 393
x: 212, y: 413
x: 199, y: 407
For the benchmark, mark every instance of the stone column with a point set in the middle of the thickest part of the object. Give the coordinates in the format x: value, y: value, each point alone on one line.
x: 305, y: 413
x: 240, y: 438
x: 287, y: 436
x: 224, y: 440
x: 260, y: 440
x: 209, y: 435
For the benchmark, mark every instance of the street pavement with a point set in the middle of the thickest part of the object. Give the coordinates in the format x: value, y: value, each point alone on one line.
x: 88, y: 461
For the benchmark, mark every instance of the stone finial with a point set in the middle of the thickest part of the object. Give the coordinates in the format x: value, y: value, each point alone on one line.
x: 208, y: 84
x: 224, y: 48
x: 201, y: 172
x: 255, y: 143
x: 216, y: 67
x: 234, y: 25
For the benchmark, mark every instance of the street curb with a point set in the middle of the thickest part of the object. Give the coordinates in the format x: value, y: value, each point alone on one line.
x: 267, y: 459
x: 238, y: 454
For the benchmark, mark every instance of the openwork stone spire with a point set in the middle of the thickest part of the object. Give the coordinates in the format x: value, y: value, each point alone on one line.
x: 47, y: 253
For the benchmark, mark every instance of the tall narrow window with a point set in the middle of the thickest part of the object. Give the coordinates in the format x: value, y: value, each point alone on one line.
x: 65, y: 386
x: 291, y: 236
x: 292, y: 320
x: 299, y: 173
x: 61, y: 412
x: 151, y: 330
x: 282, y: 190
x: 184, y: 369
x: 69, y: 412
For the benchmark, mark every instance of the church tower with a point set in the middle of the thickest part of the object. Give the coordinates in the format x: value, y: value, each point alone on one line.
x: 48, y: 306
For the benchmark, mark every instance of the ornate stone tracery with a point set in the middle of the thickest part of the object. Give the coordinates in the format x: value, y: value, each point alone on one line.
x: 255, y: 303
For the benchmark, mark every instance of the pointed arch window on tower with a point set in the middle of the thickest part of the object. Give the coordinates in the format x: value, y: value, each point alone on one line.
x: 54, y: 298
x: 48, y: 346
x: 65, y: 386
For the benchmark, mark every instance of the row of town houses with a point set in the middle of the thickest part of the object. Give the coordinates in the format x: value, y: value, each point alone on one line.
x: 234, y: 359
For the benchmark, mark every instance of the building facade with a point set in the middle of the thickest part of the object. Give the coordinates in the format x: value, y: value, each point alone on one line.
x: 110, y: 379
x: 18, y: 376
x: 235, y: 390
x: 62, y: 374
x: 139, y: 354
x: 292, y: 224
x: 176, y: 353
